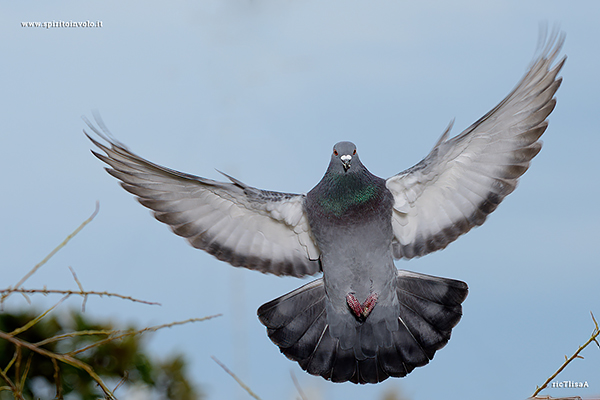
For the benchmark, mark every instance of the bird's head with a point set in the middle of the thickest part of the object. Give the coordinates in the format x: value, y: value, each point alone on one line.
x: 343, y: 155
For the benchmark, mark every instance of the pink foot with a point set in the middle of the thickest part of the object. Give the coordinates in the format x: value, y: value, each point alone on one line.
x: 363, y: 310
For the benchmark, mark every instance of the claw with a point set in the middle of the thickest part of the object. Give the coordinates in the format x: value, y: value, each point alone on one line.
x: 361, y: 311
x: 354, y: 304
x: 369, y: 304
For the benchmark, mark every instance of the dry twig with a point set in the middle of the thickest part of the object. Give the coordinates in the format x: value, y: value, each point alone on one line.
x: 593, y: 338
x: 53, y: 252
x: 8, y: 291
x: 133, y: 333
x: 58, y: 357
x: 297, y: 384
x: 35, y: 320
x: 234, y: 376
x: 17, y: 386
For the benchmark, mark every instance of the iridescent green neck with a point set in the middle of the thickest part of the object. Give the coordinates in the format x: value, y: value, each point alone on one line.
x: 346, y: 192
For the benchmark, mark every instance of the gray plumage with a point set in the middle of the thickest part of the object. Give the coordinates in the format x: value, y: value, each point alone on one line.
x: 364, y: 320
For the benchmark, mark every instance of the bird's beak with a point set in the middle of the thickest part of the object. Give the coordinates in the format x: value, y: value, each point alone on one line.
x: 346, y: 160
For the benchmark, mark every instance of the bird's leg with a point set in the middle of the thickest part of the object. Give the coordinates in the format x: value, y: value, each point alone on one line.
x: 354, y: 305
x: 369, y: 304
x: 361, y: 311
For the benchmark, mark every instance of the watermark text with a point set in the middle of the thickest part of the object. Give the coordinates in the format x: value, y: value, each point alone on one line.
x: 62, y: 24
x: 570, y: 384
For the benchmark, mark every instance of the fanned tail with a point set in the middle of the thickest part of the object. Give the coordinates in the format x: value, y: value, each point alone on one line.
x: 429, y: 307
x: 297, y: 323
x: 398, y: 336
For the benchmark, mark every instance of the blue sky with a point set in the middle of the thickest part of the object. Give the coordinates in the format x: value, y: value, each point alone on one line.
x: 262, y: 90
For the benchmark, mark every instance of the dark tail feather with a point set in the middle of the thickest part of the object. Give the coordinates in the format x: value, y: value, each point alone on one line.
x: 429, y: 307
x: 297, y: 323
x: 392, y: 341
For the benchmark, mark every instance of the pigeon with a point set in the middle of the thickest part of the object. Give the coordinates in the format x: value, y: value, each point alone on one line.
x: 364, y: 320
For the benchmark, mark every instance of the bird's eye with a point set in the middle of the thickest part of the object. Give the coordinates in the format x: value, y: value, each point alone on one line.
x: 354, y: 152
x: 335, y: 153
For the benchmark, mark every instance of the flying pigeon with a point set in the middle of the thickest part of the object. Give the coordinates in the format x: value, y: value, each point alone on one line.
x: 364, y: 320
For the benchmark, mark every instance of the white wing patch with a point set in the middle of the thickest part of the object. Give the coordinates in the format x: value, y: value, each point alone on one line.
x: 239, y: 224
x: 464, y: 179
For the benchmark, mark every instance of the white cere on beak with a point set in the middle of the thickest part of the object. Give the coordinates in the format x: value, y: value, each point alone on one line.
x: 346, y: 159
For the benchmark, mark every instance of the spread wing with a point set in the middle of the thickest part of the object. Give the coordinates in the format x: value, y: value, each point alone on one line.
x: 464, y: 179
x: 239, y: 224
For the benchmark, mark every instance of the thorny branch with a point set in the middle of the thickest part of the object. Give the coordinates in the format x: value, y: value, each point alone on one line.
x: 6, y: 292
x: 59, y: 357
x: 57, y: 248
x: 593, y: 338
x: 16, y: 386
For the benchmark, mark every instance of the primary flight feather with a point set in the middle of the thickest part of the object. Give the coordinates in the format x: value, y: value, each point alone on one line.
x: 364, y: 320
